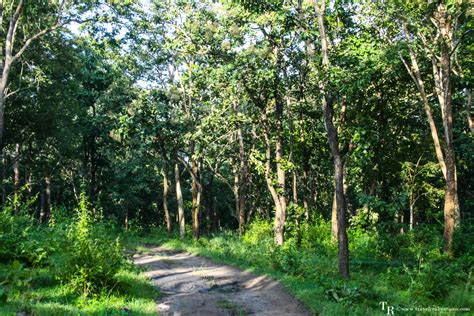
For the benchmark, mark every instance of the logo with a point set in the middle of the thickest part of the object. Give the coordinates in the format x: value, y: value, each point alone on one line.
x: 388, y: 308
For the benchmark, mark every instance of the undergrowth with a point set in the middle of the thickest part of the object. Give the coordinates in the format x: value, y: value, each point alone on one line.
x: 72, y: 265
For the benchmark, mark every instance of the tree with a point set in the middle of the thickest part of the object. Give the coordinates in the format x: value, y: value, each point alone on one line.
x: 327, y: 106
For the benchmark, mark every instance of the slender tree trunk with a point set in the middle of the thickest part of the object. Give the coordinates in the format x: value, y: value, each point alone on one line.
x: 235, y: 190
x: 47, y: 198
x: 470, y: 122
x: 3, y: 85
x: 278, y: 195
x: 443, y: 21
x: 415, y: 73
x: 306, y: 190
x: 42, y: 204
x: 4, y: 189
x: 327, y: 107
x: 243, y: 182
x: 196, y: 192
x: 125, y: 220
x: 334, y: 216
x: 166, y: 187
x: 16, y: 169
x: 179, y: 199
x: 278, y: 227
x: 412, y: 215
x: 280, y: 215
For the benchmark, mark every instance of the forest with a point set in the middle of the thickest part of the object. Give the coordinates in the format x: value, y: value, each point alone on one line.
x: 326, y: 146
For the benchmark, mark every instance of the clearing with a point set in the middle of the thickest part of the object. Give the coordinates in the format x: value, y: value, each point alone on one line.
x: 193, y: 285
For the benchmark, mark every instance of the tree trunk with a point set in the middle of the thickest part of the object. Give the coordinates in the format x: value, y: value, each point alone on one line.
x: 242, y: 190
x: 42, y: 204
x: 327, y: 107
x: 164, y: 173
x: 125, y: 220
x: 443, y: 21
x: 3, y: 85
x: 16, y: 169
x: 415, y: 73
x: 179, y: 199
x: 470, y: 122
x: 307, y: 213
x: 334, y: 216
x: 196, y: 192
x: 280, y: 215
x: 276, y: 200
x: 47, y: 199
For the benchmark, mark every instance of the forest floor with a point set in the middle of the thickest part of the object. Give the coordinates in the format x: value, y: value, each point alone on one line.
x: 194, y: 285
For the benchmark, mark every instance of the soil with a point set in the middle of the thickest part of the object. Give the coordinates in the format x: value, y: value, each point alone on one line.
x: 193, y: 285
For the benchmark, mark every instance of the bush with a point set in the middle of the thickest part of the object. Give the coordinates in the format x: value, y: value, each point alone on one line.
x: 15, y: 228
x: 317, y: 235
x: 90, y: 258
x: 257, y: 231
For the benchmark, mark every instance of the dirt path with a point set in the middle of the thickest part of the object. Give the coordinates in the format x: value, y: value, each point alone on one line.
x: 193, y: 285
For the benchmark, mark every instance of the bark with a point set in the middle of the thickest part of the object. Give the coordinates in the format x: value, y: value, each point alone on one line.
x: 179, y: 199
x: 470, y: 122
x: 306, y: 191
x: 4, y: 190
x: 243, y: 181
x: 46, y: 211
x: 442, y: 76
x: 166, y: 187
x: 280, y: 215
x: 334, y: 216
x: 327, y: 107
x: 294, y: 176
x: 125, y: 220
x: 235, y: 190
x: 196, y: 192
x: 278, y: 227
x: 42, y: 203
x: 16, y: 169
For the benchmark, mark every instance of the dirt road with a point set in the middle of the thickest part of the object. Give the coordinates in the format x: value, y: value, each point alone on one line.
x: 193, y: 285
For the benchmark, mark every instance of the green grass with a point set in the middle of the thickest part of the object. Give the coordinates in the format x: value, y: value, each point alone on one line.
x: 311, y: 275
x: 132, y: 294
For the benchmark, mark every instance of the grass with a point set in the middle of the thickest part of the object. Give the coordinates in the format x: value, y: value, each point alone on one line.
x: 311, y: 276
x: 132, y: 295
x: 234, y: 308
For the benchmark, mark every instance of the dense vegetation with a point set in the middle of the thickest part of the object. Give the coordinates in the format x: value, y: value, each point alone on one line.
x: 334, y: 140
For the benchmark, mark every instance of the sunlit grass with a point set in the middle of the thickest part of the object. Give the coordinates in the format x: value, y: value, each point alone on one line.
x: 132, y: 294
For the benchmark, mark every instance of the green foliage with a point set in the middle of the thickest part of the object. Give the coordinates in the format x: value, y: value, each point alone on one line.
x: 17, y: 280
x: 69, y: 266
x: 15, y: 230
x: 258, y: 231
x: 90, y: 258
x: 317, y: 235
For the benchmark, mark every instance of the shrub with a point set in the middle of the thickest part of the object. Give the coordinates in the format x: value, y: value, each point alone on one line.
x: 317, y: 235
x: 257, y: 231
x: 15, y: 228
x: 90, y: 259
